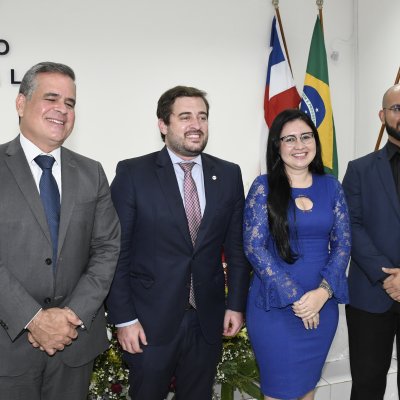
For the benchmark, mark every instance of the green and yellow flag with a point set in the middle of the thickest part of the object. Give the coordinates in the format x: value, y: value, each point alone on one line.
x: 316, y: 99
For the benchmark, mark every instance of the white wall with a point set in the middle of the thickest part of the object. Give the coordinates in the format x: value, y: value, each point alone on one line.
x: 377, y: 64
x: 128, y: 52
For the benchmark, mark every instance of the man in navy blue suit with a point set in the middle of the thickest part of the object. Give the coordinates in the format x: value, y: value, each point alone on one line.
x: 168, y: 296
x: 372, y: 188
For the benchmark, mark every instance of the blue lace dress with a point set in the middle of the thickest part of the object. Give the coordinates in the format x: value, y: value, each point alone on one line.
x: 289, y: 356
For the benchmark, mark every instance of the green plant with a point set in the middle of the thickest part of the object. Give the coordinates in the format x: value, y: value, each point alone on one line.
x: 110, y: 374
x: 238, y: 369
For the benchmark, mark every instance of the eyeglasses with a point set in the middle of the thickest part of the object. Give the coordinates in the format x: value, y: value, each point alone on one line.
x: 394, y: 109
x: 290, y: 140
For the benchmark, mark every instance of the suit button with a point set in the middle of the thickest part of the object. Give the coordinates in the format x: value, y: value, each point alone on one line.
x: 47, y: 300
x: 48, y: 261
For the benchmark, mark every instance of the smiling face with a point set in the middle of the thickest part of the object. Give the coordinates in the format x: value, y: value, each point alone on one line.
x: 48, y: 116
x: 187, y: 132
x: 298, y: 156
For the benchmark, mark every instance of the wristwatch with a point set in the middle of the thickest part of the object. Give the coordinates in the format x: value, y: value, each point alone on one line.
x: 325, y: 285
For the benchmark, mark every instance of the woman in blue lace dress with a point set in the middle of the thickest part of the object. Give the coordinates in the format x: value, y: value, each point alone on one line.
x: 297, y: 238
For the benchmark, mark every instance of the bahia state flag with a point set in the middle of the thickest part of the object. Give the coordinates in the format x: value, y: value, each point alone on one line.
x: 316, y: 100
x: 280, y: 90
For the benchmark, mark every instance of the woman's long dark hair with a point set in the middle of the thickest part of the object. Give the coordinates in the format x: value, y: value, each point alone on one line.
x: 279, y: 192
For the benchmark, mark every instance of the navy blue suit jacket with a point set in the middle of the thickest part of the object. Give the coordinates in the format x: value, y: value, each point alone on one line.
x: 157, y: 256
x: 375, y: 223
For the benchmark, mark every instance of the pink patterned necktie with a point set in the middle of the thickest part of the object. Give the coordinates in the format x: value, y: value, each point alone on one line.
x: 193, y: 211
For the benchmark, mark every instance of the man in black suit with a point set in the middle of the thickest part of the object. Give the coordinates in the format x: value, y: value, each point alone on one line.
x: 372, y: 188
x: 168, y: 296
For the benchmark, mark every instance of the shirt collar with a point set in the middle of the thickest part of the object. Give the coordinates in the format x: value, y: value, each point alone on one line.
x: 32, y: 151
x: 392, y: 150
x: 176, y: 160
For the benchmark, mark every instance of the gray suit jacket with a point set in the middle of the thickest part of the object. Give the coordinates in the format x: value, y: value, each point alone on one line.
x: 88, y: 249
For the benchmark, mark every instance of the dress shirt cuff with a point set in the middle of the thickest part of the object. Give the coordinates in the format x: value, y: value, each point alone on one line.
x: 26, y: 326
x: 126, y: 323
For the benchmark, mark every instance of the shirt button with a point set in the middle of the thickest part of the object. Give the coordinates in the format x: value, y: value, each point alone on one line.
x: 48, y: 261
x: 47, y: 300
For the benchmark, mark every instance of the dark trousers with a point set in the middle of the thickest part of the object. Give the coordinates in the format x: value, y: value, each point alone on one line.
x: 371, y: 339
x: 48, y: 379
x: 188, y: 358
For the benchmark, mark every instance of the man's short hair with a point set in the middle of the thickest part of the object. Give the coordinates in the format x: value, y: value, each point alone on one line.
x: 29, y: 82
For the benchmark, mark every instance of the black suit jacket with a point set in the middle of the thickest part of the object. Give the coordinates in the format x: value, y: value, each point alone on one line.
x: 375, y: 224
x: 157, y: 255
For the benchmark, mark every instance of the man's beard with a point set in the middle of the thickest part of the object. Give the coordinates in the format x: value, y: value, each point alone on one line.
x: 186, y: 150
x: 393, y: 132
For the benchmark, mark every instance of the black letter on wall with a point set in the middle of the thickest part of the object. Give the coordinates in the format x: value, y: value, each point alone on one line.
x: 13, y: 81
x: 6, y: 47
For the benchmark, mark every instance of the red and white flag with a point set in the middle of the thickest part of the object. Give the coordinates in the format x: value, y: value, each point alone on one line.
x: 280, y: 90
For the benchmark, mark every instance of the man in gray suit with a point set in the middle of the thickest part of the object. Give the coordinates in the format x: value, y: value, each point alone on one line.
x: 55, y: 266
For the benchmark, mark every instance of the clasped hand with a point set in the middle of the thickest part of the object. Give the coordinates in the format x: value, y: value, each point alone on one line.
x: 53, y: 329
x: 308, y: 307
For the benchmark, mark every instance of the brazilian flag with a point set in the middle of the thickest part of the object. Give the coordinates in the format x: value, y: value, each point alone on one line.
x: 316, y: 99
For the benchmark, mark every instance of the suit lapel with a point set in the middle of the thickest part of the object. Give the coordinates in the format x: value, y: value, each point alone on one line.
x: 169, y: 185
x: 386, y: 176
x: 70, y: 185
x: 211, y: 187
x: 19, y: 168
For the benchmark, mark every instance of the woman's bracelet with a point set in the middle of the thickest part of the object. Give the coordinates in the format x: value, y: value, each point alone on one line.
x: 325, y: 285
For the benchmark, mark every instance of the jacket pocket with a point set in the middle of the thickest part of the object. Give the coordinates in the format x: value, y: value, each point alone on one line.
x: 145, y: 280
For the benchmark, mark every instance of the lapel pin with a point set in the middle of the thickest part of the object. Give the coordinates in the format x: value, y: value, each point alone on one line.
x: 214, y: 178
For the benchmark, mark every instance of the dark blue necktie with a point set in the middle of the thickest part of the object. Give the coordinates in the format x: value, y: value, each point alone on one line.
x: 50, y: 198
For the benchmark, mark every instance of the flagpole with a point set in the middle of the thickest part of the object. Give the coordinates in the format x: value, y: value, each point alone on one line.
x: 275, y: 3
x: 320, y: 4
x: 378, y: 142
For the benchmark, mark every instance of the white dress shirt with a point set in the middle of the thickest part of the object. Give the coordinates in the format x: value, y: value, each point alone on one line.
x: 32, y: 151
